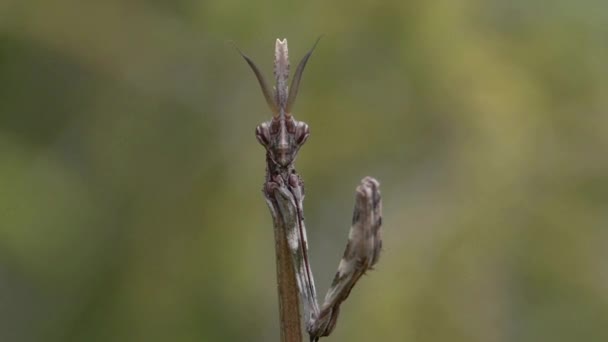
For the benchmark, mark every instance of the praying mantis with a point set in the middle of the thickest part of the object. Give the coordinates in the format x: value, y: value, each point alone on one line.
x: 282, y: 137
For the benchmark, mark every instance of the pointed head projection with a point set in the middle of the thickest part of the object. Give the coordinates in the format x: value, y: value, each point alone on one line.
x: 282, y: 136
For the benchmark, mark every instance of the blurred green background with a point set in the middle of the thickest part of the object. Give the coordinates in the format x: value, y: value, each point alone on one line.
x: 130, y: 177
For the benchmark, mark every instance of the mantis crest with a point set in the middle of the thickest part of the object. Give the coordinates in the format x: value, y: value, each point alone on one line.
x: 282, y: 137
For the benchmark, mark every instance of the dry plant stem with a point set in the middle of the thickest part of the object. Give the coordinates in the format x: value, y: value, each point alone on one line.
x: 289, y: 303
x: 282, y: 137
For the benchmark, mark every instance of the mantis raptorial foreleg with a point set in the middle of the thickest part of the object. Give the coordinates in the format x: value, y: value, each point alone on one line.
x: 361, y: 254
x: 289, y: 198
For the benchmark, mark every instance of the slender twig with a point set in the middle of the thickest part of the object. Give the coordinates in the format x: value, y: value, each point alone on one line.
x: 289, y: 302
x: 282, y: 137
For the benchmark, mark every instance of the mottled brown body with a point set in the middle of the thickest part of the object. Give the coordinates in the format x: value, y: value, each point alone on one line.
x: 282, y: 137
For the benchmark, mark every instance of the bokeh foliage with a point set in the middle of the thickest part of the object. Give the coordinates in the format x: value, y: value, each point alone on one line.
x: 130, y: 177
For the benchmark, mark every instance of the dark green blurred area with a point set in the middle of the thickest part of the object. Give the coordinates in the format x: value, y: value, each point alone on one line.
x: 130, y: 175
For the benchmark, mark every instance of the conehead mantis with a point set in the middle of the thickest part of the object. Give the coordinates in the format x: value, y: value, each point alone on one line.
x: 282, y: 137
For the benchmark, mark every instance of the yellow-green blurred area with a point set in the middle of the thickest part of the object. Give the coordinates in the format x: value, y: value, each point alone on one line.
x: 130, y: 177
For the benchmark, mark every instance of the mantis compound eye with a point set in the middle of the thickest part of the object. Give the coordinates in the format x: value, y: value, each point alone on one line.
x: 262, y: 134
x: 302, y: 132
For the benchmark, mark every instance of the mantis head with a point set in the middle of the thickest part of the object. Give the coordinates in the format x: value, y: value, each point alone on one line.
x: 283, y: 135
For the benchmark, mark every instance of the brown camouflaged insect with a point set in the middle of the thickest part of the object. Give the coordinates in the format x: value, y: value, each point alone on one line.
x: 282, y: 137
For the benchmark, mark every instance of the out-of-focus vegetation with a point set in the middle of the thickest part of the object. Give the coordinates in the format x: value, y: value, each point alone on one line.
x: 130, y: 206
